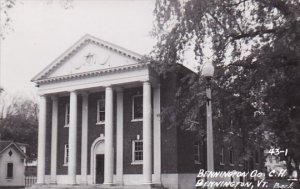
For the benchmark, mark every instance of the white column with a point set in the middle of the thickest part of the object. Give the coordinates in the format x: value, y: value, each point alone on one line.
x: 147, y: 133
x: 72, y: 138
x: 84, y: 138
x: 120, y: 137
x: 42, y: 141
x: 156, y: 135
x: 54, y: 139
x: 109, y: 155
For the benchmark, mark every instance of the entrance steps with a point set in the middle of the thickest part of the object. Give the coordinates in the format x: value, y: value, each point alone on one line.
x: 97, y: 186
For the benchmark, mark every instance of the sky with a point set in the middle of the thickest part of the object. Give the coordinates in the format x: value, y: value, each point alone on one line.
x: 44, y: 29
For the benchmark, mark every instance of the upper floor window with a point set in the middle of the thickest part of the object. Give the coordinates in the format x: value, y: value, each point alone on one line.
x: 137, y: 107
x: 137, y: 151
x: 101, y: 110
x: 66, y: 155
x: 197, y: 149
x: 222, y: 156
x: 10, y: 170
x: 67, y: 115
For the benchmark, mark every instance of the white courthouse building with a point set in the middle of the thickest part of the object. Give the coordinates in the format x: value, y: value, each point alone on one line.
x: 99, y: 122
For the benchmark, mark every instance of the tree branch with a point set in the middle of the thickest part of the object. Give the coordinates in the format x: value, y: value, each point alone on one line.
x: 236, y: 4
x: 218, y: 22
x: 252, y: 34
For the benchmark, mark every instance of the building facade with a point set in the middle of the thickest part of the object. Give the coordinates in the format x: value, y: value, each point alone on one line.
x: 12, y: 158
x: 99, y: 121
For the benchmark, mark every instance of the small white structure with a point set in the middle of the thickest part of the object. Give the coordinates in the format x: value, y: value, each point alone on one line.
x: 12, y: 157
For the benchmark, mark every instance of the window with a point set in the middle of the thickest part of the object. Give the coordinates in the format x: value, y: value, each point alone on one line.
x: 137, y: 107
x: 10, y: 170
x: 67, y: 115
x: 137, y: 151
x: 222, y: 156
x: 231, y: 157
x: 66, y: 156
x: 197, y: 159
x: 101, y: 110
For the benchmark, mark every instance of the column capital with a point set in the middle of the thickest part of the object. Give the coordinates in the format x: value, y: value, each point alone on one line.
x: 119, y: 89
x: 157, y: 85
x: 85, y: 93
x: 42, y: 95
x: 54, y: 98
x: 107, y: 86
x: 146, y: 82
x: 74, y: 92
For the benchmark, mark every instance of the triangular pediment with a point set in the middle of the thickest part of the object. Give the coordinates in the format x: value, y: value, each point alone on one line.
x: 12, y: 145
x: 87, y: 55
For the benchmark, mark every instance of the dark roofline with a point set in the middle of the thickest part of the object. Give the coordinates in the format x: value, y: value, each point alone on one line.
x: 15, y: 145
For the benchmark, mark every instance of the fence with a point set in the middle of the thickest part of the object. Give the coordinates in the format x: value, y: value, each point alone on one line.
x: 30, y: 180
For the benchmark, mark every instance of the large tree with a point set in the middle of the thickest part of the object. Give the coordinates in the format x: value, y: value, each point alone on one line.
x: 19, y: 122
x: 255, y: 47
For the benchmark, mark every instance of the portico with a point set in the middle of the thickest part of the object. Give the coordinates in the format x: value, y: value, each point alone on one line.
x: 108, y: 136
x: 110, y: 74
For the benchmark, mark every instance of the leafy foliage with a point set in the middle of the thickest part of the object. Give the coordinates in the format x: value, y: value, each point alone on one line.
x: 255, y: 47
x: 19, y: 123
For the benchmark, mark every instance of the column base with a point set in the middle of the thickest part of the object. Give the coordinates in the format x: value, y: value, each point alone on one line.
x: 148, y: 183
x: 84, y: 183
x: 83, y: 180
x: 150, y: 186
x: 108, y: 183
x: 39, y: 184
x: 53, y: 182
x: 53, y: 179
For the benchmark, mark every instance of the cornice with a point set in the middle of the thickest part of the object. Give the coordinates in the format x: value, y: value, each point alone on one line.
x: 91, y: 74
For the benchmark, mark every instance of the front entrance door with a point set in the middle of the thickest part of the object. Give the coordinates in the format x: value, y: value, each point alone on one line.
x: 99, y: 168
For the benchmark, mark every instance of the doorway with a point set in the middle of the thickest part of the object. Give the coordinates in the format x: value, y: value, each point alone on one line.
x: 99, y: 168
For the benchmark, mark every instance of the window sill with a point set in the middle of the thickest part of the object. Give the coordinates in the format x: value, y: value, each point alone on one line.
x: 65, y: 165
x: 137, y: 163
x: 9, y: 178
x: 222, y: 164
x: 197, y: 163
x: 231, y: 164
x: 67, y: 126
x: 137, y: 120
x: 100, y: 123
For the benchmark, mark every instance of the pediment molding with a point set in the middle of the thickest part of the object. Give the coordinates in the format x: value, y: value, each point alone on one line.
x: 87, y: 39
x: 91, y: 73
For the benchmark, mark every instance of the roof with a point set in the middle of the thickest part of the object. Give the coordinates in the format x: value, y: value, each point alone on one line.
x: 6, y: 144
x: 75, y: 48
